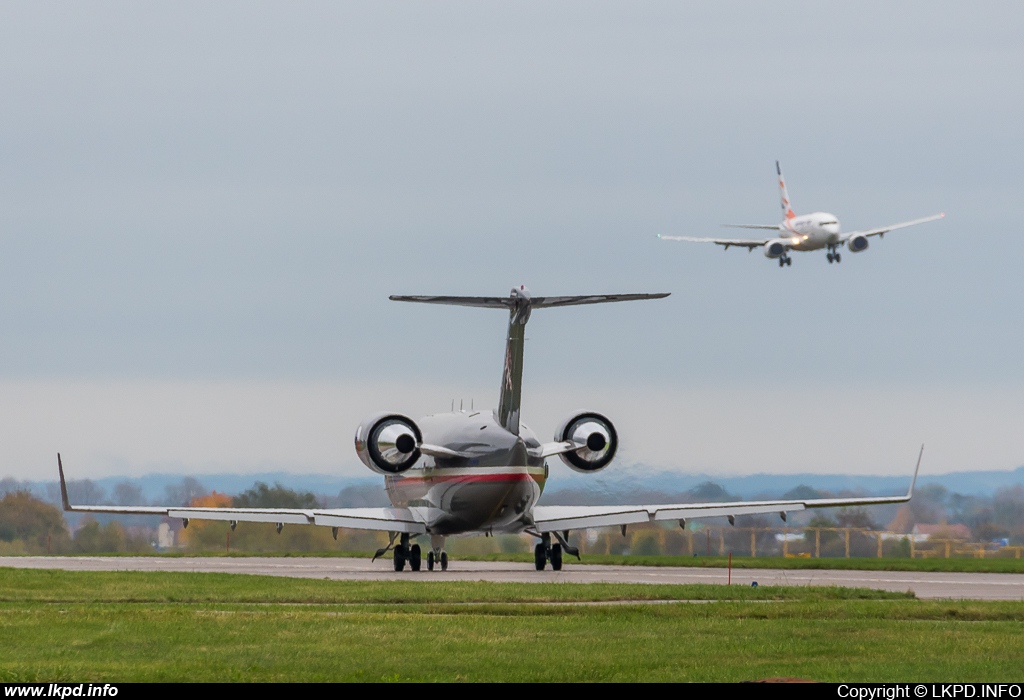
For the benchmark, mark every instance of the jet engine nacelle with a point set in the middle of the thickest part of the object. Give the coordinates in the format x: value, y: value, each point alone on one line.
x: 597, y: 439
x: 857, y: 244
x: 775, y: 248
x: 388, y: 443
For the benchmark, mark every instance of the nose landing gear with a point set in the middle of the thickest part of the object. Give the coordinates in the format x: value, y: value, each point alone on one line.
x: 437, y: 555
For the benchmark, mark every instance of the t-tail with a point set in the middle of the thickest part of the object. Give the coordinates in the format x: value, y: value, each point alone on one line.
x: 519, y: 303
x: 787, y: 208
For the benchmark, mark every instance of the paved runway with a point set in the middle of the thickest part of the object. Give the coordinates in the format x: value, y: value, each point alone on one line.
x: 925, y: 585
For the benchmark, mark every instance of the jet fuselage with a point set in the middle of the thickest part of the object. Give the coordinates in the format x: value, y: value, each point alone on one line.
x: 811, y: 231
x: 493, y: 488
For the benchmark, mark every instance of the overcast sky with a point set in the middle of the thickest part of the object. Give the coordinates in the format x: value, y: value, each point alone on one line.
x: 204, y: 206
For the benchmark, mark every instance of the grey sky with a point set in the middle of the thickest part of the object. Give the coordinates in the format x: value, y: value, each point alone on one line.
x: 216, y: 199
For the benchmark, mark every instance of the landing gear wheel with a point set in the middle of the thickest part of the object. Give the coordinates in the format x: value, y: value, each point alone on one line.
x: 556, y: 557
x: 789, y: 261
x: 430, y: 560
x: 444, y: 561
x: 399, y: 558
x: 540, y: 557
x: 414, y: 557
x: 838, y: 258
x: 830, y: 258
x: 782, y: 262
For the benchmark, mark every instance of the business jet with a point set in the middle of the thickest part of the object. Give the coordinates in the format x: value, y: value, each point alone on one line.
x: 802, y: 233
x: 482, y: 472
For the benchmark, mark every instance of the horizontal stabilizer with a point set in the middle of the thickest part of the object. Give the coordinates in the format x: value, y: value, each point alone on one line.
x: 535, y: 302
x: 485, y: 302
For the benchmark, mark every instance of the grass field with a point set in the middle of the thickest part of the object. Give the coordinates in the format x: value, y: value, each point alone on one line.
x: 132, y: 626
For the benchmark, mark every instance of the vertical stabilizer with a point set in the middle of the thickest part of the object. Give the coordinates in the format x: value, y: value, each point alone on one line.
x: 787, y: 208
x: 510, y: 399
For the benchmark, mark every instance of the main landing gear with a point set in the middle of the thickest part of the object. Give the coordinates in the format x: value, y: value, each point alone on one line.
x: 546, y: 552
x: 785, y: 260
x: 833, y: 255
x: 406, y: 553
x: 413, y: 555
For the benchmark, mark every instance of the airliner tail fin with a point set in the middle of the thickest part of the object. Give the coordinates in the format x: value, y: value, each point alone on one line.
x: 787, y: 208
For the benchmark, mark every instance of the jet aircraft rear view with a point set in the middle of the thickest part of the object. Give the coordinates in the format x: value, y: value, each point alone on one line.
x: 803, y: 233
x: 483, y: 472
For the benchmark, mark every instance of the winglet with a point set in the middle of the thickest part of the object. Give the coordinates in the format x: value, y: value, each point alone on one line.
x: 63, y: 486
x: 910, y: 491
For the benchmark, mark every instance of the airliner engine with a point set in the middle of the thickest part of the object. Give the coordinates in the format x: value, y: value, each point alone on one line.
x: 597, y: 440
x: 857, y: 244
x: 775, y: 248
x: 387, y: 443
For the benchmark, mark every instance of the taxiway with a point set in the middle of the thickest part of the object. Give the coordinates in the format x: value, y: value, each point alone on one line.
x: 932, y: 585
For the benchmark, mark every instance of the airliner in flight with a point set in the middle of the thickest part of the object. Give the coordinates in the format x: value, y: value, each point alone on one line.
x: 802, y: 233
x: 482, y: 472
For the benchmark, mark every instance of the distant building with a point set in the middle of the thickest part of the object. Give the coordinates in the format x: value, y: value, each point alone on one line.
x: 165, y: 535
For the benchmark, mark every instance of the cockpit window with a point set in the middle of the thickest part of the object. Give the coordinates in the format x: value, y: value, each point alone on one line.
x: 829, y: 223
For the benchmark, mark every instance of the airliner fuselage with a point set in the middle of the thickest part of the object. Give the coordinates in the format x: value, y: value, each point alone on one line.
x: 811, y: 231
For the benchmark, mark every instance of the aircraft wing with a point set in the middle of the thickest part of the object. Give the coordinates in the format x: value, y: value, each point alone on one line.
x: 557, y: 518
x: 885, y: 229
x: 380, y: 519
x: 749, y: 243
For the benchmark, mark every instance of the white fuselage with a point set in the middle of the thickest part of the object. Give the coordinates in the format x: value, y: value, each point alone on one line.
x: 810, y: 231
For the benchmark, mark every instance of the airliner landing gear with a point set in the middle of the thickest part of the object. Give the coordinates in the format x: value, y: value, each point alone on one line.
x: 403, y: 553
x: 437, y: 553
x: 785, y: 260
x: 833, y: 255
x: 442, y: 559
x: 545, y: 552
x: 540, y: 557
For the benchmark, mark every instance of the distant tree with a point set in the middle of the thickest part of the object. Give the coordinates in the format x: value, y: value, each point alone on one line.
x: 10, y: 485
x: 127, y: 494
x: 24, y: 517
x: 206, y: 534
x: 710, y: 491
x: 112, y: 537
x: 803, y: 492
x: 84, y: 492
x: 1008, y: 507
x: 902, y: 522
x: 363, y: 496
x: 855, y: 517
x: 184, y: 493
x: 263, y: 496
x: 929, y: 504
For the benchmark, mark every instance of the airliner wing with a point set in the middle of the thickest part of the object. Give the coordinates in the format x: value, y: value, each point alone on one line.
x: 885, y: 229
x: 556, y: 518
x: 381, y: 519
x: 749, y: 244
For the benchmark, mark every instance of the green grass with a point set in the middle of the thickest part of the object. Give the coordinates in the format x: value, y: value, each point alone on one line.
x: 134, y: 626
x: 55, y: 586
